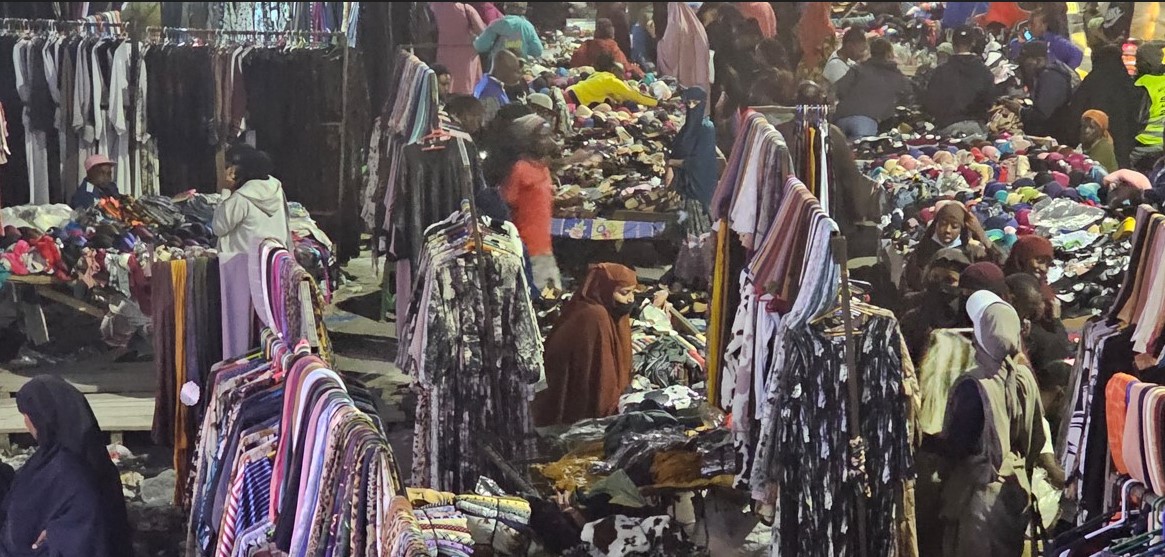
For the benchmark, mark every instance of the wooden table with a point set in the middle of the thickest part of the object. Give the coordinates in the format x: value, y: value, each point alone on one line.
x: 29, y: 290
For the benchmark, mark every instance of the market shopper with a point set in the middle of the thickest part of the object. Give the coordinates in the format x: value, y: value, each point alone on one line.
x: 488, y: 11
x: 529, y: 191
x: 253, y: 209
x: 1095, y: 139
x: 869, y: 93
x: 603, y: 44
x: 98, y: 183
x: 855, y: 49
x: 952, y: 227
x: 465, y: 113
x: 605, y: 86
x: 67, y: 498
x: 762, y: 13
x: 1109, y: 88
x: 1045, y: 28
x: 1050, y: 83
x: 458, y: 24
x: 961, y: 91
x: 643, y: 39
x: 505, y: 72
x: 938, y: 305
x: 693, y: 156
x: 993, y: 438
x: 1045, y: 342
x: 512, y: 32
x: 683, y: 50
x: 444, y: 82
x: 616, y: 14
x: 588, y: 352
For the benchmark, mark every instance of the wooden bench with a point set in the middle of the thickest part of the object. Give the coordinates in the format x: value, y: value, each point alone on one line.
x: 121, y: 395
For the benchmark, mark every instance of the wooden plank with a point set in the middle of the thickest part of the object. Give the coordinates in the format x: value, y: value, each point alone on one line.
x: 69, y: 301
x: 136, y: 377
x: 113, y: 412
x: 31, y: 279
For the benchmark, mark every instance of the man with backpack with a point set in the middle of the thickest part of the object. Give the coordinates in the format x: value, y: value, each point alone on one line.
x: 1049, y: 83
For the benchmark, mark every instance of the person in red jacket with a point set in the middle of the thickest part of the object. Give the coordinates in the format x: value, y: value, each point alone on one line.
x: 592, y: 50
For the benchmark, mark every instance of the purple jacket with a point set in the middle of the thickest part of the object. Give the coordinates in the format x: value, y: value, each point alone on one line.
x: 1060, y: 48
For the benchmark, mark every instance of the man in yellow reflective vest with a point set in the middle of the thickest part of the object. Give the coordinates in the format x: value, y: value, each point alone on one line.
x: 1151, y: 80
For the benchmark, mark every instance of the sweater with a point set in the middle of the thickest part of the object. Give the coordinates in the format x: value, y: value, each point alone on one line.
x: 530, y: 194
x: 872, y: 88
x: 603, y: 86
x: 510, y: 32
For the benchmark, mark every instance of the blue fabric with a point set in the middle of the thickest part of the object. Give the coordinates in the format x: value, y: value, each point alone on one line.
x: 959, y: 13
x: 858, y: 126
x: 640, y: 41
x: 84, y: 199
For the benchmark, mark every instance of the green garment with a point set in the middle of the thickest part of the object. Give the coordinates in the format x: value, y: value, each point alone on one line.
x: 1102, y: 152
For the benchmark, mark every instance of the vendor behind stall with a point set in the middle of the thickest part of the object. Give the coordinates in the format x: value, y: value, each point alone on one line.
x: 588, y: 353
x: 98, y: 183
x: 1095, y: 139
x: 603, y: 43
x: 1051, y: 83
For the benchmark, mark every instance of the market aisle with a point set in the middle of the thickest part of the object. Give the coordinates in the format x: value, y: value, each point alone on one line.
x: 366, y: 348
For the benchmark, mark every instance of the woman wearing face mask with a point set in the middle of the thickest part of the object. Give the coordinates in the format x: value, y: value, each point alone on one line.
x: 588, y: 353
x: 994, y: 437
x: 953, y: 227
x: 938, y: 305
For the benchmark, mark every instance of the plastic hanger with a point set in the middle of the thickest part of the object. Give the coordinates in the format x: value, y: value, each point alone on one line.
x: 1125, y: 492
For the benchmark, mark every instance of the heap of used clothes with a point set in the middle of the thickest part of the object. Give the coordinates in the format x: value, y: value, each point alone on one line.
x: 108, y: 245
x: 1015, y: 187
x: 633, y: 141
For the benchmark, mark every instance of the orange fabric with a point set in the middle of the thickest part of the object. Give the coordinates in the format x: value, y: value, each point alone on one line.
x: 530, y: 194
x: 814, y: 33
x: 588, y: 55
x: 1115, y: 407
x: 763, y: 13
x: 588, y: 353
x: 1007, y: 14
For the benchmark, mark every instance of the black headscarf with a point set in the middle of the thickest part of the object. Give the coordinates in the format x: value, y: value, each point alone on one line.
x: 69, y: 488
x: 1109, y: 89
x: 695, y: 144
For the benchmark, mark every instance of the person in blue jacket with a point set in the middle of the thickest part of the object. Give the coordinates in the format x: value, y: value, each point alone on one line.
x: 1045, y: 28
x: 97, y: 185
x: 512, y: 32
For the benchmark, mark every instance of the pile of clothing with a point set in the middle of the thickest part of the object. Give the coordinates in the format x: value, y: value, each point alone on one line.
x: 1015, y: 186
x: 108, y: 245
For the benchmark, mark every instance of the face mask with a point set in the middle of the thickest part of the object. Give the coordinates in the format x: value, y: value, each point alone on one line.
x: 958, y: 241
x: 623, y: 309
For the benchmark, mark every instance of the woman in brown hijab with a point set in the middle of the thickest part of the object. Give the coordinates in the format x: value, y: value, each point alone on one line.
x: 588, y: 353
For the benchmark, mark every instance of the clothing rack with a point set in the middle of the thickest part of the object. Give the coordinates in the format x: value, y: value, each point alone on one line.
x: 305, y: 37
x: 777, y: 115
x: 99, y: 26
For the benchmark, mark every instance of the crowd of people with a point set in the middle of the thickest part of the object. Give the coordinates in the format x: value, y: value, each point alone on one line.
x: 997, y: 71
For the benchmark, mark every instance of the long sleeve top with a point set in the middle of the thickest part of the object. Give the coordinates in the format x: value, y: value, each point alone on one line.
x: 589, y: 52
x: 510, y: 32
x: 601, y: 86
x: 530, y: 193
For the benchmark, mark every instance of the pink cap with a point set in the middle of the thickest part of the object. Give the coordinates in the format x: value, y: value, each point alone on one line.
x: 96, y: 160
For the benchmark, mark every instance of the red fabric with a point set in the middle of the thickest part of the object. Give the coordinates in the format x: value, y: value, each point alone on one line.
x: 813, y: 31
x: 1006, y: 13
x: 763, y: 13
x: 589, y: 52
x: 588, y: 353
x: 530, y: 194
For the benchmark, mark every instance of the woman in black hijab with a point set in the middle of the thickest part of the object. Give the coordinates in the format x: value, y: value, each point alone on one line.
x: 1109, y: 89
x: 66, y: 500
